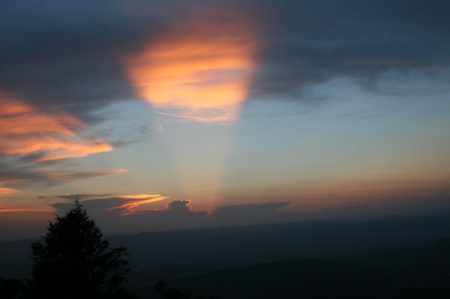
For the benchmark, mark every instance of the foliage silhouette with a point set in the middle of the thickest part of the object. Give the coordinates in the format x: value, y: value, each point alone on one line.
x: 10, y: 288
x: 72, y: 261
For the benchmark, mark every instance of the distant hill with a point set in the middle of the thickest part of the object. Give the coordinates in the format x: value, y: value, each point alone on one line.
x: 421, y: 271
x: 310, y: 278
x: 15, y: 258
x: 177, y: 254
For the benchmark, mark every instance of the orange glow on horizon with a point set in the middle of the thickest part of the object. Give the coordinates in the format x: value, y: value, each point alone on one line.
x: 6, y: 207
x: 199, y: 70
x: 30, y: 210
x: 24, y: 130
x: 5, y: 190
x: 137, y: 200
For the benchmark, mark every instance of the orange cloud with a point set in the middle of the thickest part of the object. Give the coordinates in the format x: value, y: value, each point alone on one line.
x: 137, y: 200
x: 25, y: 130
x: 61, y: 176
x: 199, y: 70
x: 6, y: 191
x: 6, y: 207
x: 19, y: 210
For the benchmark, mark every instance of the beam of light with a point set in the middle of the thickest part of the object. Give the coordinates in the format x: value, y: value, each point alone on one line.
x: 24, y: 131
x: 199, y: 70
x: 135, y: 201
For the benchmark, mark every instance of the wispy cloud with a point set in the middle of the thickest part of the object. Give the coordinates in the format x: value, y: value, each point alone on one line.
x: 25, y: 130
x: 54, y: 175
x: 13, y: 180
x: 5, y: 190
x: 178, y: 214
x: 137, y: 200
x: 72, y: 197
x: 21, y: 210
x: 7, y: 207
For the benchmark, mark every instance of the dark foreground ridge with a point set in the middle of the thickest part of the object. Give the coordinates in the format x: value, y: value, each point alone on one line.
x: 394, y: 257
x: 418, y: 272
x: 289, y: 279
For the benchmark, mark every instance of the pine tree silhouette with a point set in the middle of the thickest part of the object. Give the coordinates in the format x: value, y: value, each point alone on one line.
x: 73, y: 261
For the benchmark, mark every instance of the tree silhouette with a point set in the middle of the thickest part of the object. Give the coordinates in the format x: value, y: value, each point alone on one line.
x: 171, y: 293
x: 72, y: 260
x: 10, y: 288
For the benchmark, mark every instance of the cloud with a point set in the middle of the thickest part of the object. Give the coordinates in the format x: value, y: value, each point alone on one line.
x: 63, y: 64
x: 308, y: 43
x: 22, y: 177
x: 7, y: 207
x: 31, y: 135
x: 197, y: 69
x: 69, y: 62
x: 181, y: 215
x: 74, y: 61
x: 72, y: 197
x: 24, y: 130
x: 113, y: 215
x: 10, y: 176
x: 118, y: 214
x: 53, y: 175
x: 25, y: 210
x: 137, y: 200
x: 179, y: 206
x: 5, y: 190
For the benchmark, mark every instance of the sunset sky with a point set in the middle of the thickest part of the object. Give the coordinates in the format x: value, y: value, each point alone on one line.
x: 161, y: 115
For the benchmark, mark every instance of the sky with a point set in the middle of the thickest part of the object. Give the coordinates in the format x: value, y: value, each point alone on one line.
x: 165, y: 115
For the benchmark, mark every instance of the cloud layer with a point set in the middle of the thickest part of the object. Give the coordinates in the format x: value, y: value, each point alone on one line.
x: 118, y: 214
x: 76, y: 62
x: 197, y: 69
x: 24, y: 130
x: 64, y: 63
x: 12, y: 179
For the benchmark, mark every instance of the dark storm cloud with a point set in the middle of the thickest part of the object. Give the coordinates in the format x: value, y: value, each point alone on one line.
x: 65, y: 54
x: 309, y: 42
x: 68, y: 55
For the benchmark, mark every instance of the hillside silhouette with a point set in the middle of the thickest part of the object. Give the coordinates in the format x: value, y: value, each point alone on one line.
x: 416, y: 272
x: 310, y: 278
x: 409, y: 255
